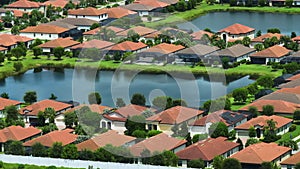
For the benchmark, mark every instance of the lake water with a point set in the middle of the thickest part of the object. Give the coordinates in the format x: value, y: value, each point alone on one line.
x: 287, y: 23
x: 77, y: 84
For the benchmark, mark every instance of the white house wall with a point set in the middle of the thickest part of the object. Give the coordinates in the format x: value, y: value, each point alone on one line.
x: 44, y: 36
x: 95, y: 18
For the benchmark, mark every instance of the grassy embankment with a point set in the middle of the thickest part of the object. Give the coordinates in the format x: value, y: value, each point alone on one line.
x: 178, y: 17
x: 15, y: 166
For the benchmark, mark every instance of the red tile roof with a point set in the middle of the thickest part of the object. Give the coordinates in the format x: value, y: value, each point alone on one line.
x: 110, y: 137
x: 266, y: 36
x: 152, y: 3
x: 295, y: 90
x: 262, y: 121
x: 272, y: 52
x: 90, y: 11
x: 17, y: 133
x: 93, y: 107
x: 7, y: 40
x: 18, y: 13
x: 99, y: 44
x: 297, y: 38
x: 60, y: 42
x: 142, y: 31
x: 236, y: 29
x: 44, y: 28
x: 280, y: 106
x: 24, y: 4
x: 65, y: 137
x: 95, y: 31
x: 131, y: 110
x: 3, y: 49
x: 207, y: 149
x: 199, y: 34
x: 7, y: 102
x: 35, y: 108
x: 160, y: 143
x: 118, y: 12
x: 56, y: 3
x: 260, y: 152
x: 293, y: 160
x: 128, y: 46
x: 165, y: 48
x: 120, y: 119
x: 174, y: 115
x: 295, y: 77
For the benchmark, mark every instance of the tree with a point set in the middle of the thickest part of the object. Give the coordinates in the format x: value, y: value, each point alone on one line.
x: 120, y: 102
x: 179, y: 102
x: 289, y: 3
x: 291, y: 67
x: 18, y: 52
x: 86, y: 155
x: 4, y: 95
x: 297, y: 166
x: 293, y: 34
x: 233, y: 2
x: 37, y: 51
x: 251, y: 141
x: 162, y: 102
x: 258, y: 33
x: 94, y: 26
x: 217, y: 162
x: 246, y: 41
x: 273, y: 30
x: 41, y: 119
x: 218, y: 104
x: 58, y: 52
x: 289, y: 143
x: 252, y: 89
x: 139, y: 134
x: 14, y: 148
x: 169, y: 158
x: 269, y: 165
x: 88, y: 120
x: 188, y: 138
x: 265, y: 81
x: 268, y: 110
x: 38, y: 150
x: 12, y: 115
x: 30, y: 97
x: 240, y: 94
x: 259, y: 47
x: 52, y: 97
x: 133, y: 36
x: 70, y: 119
x: 252, y: 132
x: 94, y: 98
x: 296, y: 115
x: 253, y: 111
x: 50, y: 114
x: 70, y: 152
x: 199, y: 137
x: 2, y: 58
x: 196, y: 164
x: 15, y: 30
x: 135, y: 123
x: 56, y: 150
x: 138, y: 99
x: 239, y: 141
x: 231, y: 163
x: 18, y: 66
x: 181, y: 6
x: 152, y: 133
x: 218, y: 129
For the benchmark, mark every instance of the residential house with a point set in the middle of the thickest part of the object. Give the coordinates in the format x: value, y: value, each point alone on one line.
x: 3, y: 50
x: 141, y: 9
x: 254, y: 155
x: 271, y: 54
x: 236, y: 32
x: 289, y: 97
x: 172, y: 33
x: 18, y: 13
x: 170, y: 2
x: 47, y: 140
x: 260, y: 122
x: 207, y: 150
x: 126, y: 46
x: 82, y: 24
x: 10, y: 41
x: 295, y: 77
x: 140, y: 30
x: 89, y: 13
x: 202, y: 36
x: 17, y: 133
x: 262, y: 38
x: 282, y: 79
x: 295, y: 90
x: 295, y: 57
x: 98, y: 44
x: 7, y: 102
x: 45, y: 31
x: 3, y: 12
x: 229, y: 118
x: 91, y: 33
x: 296, y: 39
x: 158, y: 5
x: 65, y: 43
x: 196, y: 53
x: 110, y: 137
x: 166, y: 119
x: 27, y: 6
x: 73, y: 30
x: 115, y: 13
x: 291, y: 84
x: 93, y: 107
x: 281, y: 107
x: 30, y: 112
x: 57, y: 4
x: 163, y: 52
x: 158, y: 143
x: 235, y: 53
x: 291, y: 161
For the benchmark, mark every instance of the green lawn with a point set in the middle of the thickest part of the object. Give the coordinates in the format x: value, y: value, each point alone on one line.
x: 286, y: 136
x: 15, y: 166
x: 178, y: 17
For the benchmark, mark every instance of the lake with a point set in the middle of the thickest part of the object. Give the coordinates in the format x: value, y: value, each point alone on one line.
x: 287, y: 23
x: 77, y: 84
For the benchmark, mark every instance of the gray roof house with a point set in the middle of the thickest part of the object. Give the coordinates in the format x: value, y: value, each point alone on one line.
x: 196, y: 53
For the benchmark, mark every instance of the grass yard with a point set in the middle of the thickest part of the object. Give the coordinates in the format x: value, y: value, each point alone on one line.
x: 286, y: 136
x: 15, y: 166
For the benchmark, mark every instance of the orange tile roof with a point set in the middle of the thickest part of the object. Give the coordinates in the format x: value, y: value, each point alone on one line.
x: 291, y: 84
x: 56, y: 3
x: 176, y: 114
x: 7, y: 102
x: 266, y: 36
x: 272, y: 52
x: 99, y: 44
x: 131, y: 110
x: 118, y: 12
x: 293, y: 160
x: 95, y: 31
x: 262, y: 121
x: 3, y: 49
x: 207, y: 149
x: 153, y: 3
x: 60, y: 42
x: 280, y: 106
x: 128, y: 46
x: 142, y: 31
x: 90, y: 11
x: 165, y: 48
x: 120, y: 119
x: 24, y: 4
x: 35, y: 108
x: 199, y: 34
x: 110, y: 137
x: 17, y: 133
x: 297, y: 38
x: 47, y: 140
x: 18, y: 13
x: 93, y: 107
x: 295, y: 77
x: 158, y: 143
x: 260, y: 152
x: 295, y: 90
x: 9, y: 39
x: 44, y: 28
x: 236, y: 29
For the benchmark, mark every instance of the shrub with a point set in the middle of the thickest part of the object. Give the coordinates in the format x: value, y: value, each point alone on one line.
x: 18, y: 66
x: 292, y: 128
x: 21, y: 166
x: 1, y: 164
x: 51, y: 167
